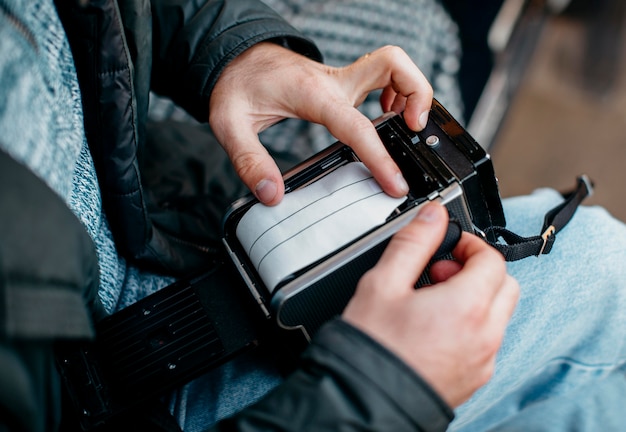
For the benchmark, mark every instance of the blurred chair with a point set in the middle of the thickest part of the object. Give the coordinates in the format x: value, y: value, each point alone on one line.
x: 511, y: 40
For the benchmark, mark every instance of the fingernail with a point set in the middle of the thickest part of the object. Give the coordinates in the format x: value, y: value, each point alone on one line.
x: 403, y: 186
x: 266, y: 190
x: 423, y: 119
x: 428, y: 213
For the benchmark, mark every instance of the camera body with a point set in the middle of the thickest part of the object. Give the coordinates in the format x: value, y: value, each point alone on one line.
x: 196, y: 324
x: 441, y: 163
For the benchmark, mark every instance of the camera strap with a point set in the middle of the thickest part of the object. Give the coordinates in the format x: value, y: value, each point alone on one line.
x: 194, y: 325
x: 517, y: 247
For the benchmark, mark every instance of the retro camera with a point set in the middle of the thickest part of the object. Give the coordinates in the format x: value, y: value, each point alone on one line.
x: 441, y: 163
x: 193, y: 325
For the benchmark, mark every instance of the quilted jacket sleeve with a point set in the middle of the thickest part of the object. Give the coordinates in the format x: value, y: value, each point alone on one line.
x: 347, y: 382
x: 193, y: 41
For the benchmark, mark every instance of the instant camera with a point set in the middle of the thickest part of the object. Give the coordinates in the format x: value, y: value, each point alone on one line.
x: 197, y: 324
x: 441, y: 163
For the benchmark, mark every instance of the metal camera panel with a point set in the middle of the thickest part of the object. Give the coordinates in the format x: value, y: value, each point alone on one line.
x: 440, y: 159
x: 321, y: 293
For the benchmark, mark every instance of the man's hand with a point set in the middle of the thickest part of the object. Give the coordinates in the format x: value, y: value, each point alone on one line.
x: 268, y: 83
x: 448, y: 332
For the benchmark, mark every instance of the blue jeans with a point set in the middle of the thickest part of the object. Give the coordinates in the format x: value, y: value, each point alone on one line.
x: 562, y: 364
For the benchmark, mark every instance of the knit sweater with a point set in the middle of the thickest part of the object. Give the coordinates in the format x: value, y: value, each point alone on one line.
x: 41, y: 121
x: 41, y: 115
x: 344, y: 31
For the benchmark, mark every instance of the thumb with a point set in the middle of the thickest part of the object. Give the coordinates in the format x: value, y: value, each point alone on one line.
x: 411, y: 248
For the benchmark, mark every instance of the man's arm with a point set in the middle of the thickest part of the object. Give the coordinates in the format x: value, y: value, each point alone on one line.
x: 194, y: 41
x: 268, y: 83
x: 449, y: 332
x: 212, y: 61
x: 346, y: 381
x: 400, y: 358
x: 265, y: 83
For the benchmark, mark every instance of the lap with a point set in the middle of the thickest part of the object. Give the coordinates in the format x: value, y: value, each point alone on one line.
x: 567, y: 331
x: 563, y: 354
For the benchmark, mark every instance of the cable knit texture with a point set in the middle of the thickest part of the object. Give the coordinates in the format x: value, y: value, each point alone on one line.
x: 344, y: 31
x: 37, y: 77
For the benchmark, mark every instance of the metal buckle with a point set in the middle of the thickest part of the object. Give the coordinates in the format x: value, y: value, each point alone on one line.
x: 545, y: 236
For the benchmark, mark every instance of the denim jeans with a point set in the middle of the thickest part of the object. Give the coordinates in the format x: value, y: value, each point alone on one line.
x: 562, y: 363
x: 561, y: 366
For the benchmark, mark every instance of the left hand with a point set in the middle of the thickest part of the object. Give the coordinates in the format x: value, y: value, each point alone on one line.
x: 449, y: 332
x: 268, y: 83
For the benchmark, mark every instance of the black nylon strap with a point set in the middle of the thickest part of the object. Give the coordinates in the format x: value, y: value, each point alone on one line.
x: 516, y: 247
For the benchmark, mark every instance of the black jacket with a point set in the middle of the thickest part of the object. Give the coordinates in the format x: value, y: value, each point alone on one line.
x: 124, y: 49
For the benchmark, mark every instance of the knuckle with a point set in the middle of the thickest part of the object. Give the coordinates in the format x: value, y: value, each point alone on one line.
x: 476, y: 311
x: 222, y: 124
x: 376, y: 282
x: 245, y: 163
x: 393, y: 53
x: 361, y: 128
x: 429, y: 92
x: 372, y: 279
x: 485, y: 373
x: 361, y: 125
x: 497, y: 274
x: 496, y: 256
x: 514, y: 287
x: 311, y: 83
x: 491, y: 345
x: 414, y: 239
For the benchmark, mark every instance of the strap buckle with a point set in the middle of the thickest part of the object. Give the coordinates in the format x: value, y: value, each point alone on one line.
x: 549, y: 232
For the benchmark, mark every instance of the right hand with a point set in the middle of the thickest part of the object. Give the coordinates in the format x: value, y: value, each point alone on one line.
x: 449, y: 332
x: 268, y: 83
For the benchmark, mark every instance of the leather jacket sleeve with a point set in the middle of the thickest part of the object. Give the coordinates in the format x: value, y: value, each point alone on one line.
x: 346, y: 382
x: 194, y: 41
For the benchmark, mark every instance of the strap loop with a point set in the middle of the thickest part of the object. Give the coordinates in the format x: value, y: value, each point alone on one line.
x: 516, y: 247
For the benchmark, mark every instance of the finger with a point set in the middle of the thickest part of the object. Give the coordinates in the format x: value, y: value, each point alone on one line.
x: 254, y: 165
x: 411, y: 248
x: 391, y: 66
x: 481, y: 263
x: 352, y: 128
x: 387, y: 97
x: 399, y: 104
x: 392, y: 101
x: 443, y: 270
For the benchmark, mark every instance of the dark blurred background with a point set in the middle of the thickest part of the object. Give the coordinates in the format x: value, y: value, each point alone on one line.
x: 544, y: 85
